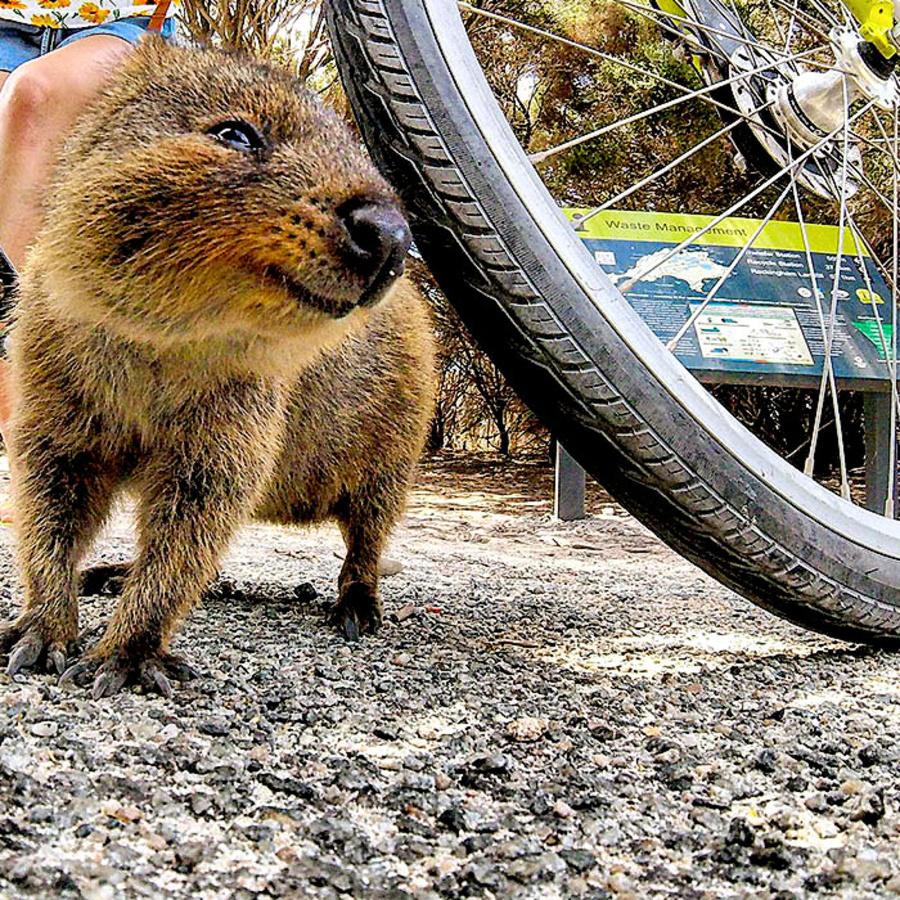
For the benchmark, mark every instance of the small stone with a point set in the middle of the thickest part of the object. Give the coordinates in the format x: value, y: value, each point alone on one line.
x: 562, y: 809
x: 44, y: 729
x: 405, y: 612
x: 155, y: 841
x: 413, y: 824
x: 475, y: 842
x: 866, y: 865
x: 344, y: 838
x: 328, y: 673
x: 287, y: 855
x: 485, y: 875
x: 496, y: 764
x: 189, y: 854
x: 869, y: 808
x: 215, y: 727
x: 128, y: 814
x: 257, y: 833
x: 458, y: 820
x: 816, y: 802
x: 536, y: 868
x: 292, y: 786
x: 853, y: 786
x: 386, y: 732
x: 201, y: 803
x: 402, y: 659
x: 528, y: 728
x: 601, y: 731
x: 870, y: 755
x: 388, y: 567
x: 579, y: 860
x: 765, y: 761
x: 825, y: 828
x: 542, y: 803
x: 305, y: 592
x: 40, y: 814
x: 740, y: 833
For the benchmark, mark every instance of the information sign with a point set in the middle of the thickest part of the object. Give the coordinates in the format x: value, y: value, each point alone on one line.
x: 764, y: 323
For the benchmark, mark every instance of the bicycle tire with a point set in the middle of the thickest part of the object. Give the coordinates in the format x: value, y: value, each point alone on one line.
x: 575, y: 351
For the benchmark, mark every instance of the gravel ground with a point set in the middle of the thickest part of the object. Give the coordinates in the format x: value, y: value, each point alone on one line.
x: 570, y: 710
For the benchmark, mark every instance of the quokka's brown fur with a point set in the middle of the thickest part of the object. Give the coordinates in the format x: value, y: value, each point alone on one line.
x: 159, y: 346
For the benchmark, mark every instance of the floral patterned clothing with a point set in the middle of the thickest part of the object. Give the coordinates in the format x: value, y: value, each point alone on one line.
x: 74, y: 13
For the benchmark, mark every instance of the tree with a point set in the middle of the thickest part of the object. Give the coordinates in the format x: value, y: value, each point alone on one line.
x: 290, y: 31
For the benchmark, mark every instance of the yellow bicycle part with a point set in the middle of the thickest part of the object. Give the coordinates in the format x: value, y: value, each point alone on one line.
x: 876, y: 22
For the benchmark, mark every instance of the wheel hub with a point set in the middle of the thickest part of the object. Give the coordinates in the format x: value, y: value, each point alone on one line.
x: 793, y: 111
x: 812, y: 106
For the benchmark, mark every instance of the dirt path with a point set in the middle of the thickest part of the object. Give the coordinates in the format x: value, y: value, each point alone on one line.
x: 571, y: 710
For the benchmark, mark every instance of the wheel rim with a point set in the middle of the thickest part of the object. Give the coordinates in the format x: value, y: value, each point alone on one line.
x: 746, y: 81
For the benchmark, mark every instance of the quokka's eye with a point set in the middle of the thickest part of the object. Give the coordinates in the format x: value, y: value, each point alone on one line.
x: 239, y: 135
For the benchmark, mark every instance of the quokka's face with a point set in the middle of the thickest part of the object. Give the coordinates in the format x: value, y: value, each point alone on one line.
x: 210, y: 195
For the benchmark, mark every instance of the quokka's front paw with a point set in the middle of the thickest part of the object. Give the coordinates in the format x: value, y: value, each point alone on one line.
x: 358, y: 611
x: 110, y: 674
x: 29, y: 647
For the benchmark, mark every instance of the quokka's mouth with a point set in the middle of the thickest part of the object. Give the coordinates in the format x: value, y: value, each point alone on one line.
x: 387, y: 276
x: 331, y: 306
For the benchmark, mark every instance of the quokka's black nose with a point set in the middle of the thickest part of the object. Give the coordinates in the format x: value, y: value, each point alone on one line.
x: 378, y: 239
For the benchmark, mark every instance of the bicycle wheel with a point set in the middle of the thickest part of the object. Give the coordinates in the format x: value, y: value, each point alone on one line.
x: 572, y: 345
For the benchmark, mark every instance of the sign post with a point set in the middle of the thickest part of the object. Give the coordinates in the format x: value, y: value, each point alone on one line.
x: 569, y: 484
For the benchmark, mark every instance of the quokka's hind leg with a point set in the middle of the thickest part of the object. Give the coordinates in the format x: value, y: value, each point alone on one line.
x: 62, y: 499
x: 366, y: 519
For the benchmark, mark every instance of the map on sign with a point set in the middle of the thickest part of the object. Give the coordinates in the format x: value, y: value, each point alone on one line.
x: 768, y: 334
x: 693, y: 267
x: 765, y: 318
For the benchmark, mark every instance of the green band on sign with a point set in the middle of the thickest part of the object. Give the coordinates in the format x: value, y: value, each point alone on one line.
x: 870, y: 329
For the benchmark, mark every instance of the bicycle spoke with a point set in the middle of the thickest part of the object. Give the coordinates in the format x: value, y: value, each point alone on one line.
x: 542, y: 155
x: 622, y: 195
x: 625, y: 286
x: 789, y: 34
x: 890, y: 502
x: 854, y: 161
x: 659, y: 17
x: 828, y: 378
x: 888, y: 352
x: 673, y: 343
x: 700, y: 93
x: 811, y: 25
x: 824, y: 11
x: 829, y: 337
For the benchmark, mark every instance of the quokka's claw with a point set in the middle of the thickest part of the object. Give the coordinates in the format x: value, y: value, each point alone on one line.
x: 29, y: 650
x: 112, y: 674
x: 357, y: 612
x: 25, y: 654
x: 56, y: 660
x: 79, y: 673
x: 154, y: 679
x: 111, y: 678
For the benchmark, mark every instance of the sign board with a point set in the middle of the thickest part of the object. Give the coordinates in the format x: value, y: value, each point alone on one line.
x: 763, y: 325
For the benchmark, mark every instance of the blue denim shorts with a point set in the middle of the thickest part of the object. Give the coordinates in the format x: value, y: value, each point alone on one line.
x: 20, y: 42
